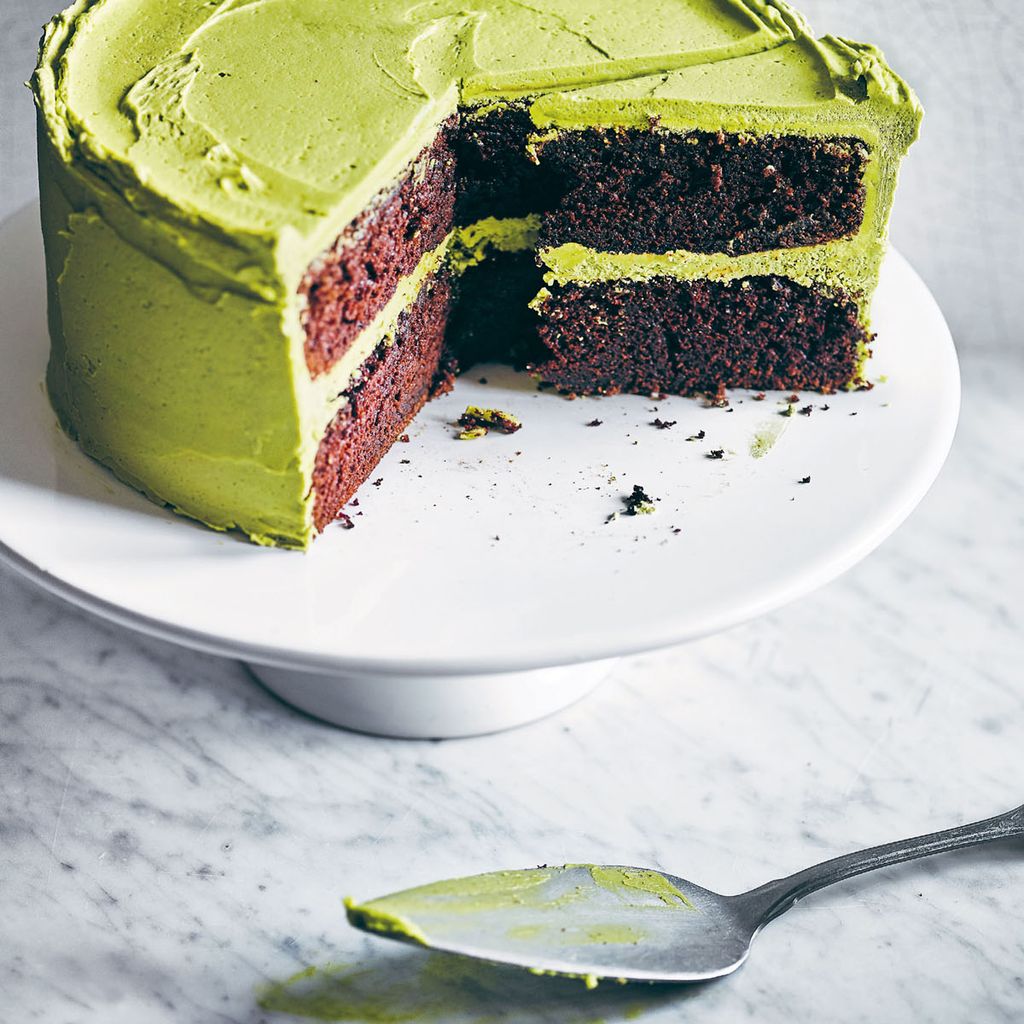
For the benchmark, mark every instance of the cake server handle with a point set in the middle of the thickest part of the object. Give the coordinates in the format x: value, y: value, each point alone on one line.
x: 779, y: 896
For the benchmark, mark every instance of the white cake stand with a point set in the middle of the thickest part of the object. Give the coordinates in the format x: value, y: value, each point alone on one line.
x: 483, y: 587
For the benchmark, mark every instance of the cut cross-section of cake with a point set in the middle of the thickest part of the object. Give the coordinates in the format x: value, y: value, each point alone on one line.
x: 275, y: 227
x: 726, y: 224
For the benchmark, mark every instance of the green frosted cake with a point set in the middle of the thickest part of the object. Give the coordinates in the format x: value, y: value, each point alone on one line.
x: 275, y: 227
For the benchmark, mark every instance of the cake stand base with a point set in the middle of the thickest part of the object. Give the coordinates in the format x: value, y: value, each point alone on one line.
x: 433, y: 707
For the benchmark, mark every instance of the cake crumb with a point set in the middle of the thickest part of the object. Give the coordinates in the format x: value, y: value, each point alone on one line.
x: 404, y: 439
x: 716, y: 453
x: 804, y: 480
x: 378, y: 481
x: 759, y: 397
x: 806, y: 410
x: 663, y: 424
x: 699, y: 436
x: 595, y: 423
x: 720, y: 399
x: 474, y: 419
x: 639, y: 502
x: 345, y: 521
x: 405, y: 462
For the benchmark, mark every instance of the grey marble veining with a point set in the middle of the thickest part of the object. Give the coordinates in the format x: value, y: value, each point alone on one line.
x: 173, y: 839
x: 174, y: 842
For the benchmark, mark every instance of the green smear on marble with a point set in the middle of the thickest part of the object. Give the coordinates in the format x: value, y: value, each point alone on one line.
x: 448, y: 990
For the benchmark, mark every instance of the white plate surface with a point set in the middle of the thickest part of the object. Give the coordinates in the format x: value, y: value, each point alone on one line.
x: 495, y: 554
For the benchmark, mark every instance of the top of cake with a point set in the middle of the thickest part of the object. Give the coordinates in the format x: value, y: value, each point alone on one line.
x: 180, y: 109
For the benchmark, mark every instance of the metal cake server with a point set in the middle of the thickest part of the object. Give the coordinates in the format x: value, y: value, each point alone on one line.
x: 629, y: 924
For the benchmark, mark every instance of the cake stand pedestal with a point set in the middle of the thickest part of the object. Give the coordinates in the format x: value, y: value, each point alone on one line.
x: 433, y: 707
x: 488, y: 583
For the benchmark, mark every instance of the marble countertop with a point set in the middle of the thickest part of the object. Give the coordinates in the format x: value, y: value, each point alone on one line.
x: 174, y: 842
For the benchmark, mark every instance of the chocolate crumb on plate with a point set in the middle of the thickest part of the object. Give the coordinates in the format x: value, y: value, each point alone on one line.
x: 639, y: 502
x: 804, y: 480
x: 490, y: 419
x: 716, y: 453
x: 720, y: 399
x: 699, y: 436
x: 595, y: 423
x: 663, y: 424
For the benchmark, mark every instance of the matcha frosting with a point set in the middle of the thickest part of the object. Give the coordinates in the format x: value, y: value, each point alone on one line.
x: 196, y: 156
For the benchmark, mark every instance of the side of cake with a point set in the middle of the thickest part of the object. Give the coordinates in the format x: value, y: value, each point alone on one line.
x: 261, y: 265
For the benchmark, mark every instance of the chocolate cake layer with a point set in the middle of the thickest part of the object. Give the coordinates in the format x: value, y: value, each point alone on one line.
x: 684, y: 337
x: 392, y: 386
x: 496, y: 176
x: 492, y: 321
x: 627, y: 190
x: 347, y: 287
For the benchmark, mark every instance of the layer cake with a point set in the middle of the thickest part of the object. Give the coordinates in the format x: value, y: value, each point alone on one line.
x: 275, y: 227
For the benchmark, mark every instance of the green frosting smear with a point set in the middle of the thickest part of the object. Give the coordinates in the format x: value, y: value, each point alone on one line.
x: 499, y: 890
x: 197, y: 156
x: 449, y: 990
x: 629, y: 880
x: 550, y: 914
